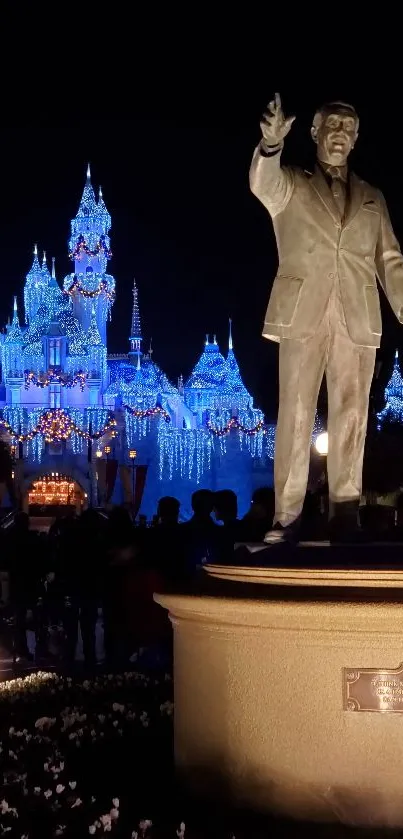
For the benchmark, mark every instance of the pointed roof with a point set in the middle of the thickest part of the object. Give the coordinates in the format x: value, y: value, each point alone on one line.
x: 14, y: 334
x: 395, y: 383
x: 93, y: 338
x: 102, y: 211
x: 150, y: 379
x: 45, y: 270
x: 88, y: 203
x: 35, y: 272
x: 210, y: 370
x: 54, y: 294
x: 135, y: 331
x: 232, y: 378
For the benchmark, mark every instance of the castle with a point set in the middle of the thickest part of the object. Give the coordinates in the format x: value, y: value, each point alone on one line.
x: 101, y: 428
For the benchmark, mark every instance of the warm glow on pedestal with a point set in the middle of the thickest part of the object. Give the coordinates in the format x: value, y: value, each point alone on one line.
x: 322, y: 443
x: 132, y: 454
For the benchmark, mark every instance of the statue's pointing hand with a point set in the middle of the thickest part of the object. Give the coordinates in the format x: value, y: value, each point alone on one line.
x: 274, y: 125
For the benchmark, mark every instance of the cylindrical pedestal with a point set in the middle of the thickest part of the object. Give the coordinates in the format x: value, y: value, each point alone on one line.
x: 261, y: 714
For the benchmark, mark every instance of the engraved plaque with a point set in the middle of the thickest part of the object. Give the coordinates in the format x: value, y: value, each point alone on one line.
x: 366, y: 689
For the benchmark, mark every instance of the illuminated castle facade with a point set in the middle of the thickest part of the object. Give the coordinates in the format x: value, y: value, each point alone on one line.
x: 68, y: 409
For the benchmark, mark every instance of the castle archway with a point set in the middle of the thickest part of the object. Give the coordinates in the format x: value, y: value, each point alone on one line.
x: 53, y: 494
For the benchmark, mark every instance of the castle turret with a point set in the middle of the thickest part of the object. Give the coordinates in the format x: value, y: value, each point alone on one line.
x: 12, y: 351
x: 36, y: 284
x: 89, y: 248
x: 234, y: 394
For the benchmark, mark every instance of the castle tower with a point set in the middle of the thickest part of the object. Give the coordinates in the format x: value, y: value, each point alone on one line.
x: 12, y: 354
x: 89, y: 248
x: 36, y: 285
x: 135, y: 331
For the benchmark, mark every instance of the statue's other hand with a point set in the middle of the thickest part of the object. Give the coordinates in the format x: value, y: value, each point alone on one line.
x: 274, y: 125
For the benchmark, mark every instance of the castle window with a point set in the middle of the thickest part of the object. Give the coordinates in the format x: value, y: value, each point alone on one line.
x: 55, y: 399
x: 54, y: 353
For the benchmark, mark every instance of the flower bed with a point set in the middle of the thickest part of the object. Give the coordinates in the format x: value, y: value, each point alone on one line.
x: 82, y: 758
x: 90, y: 758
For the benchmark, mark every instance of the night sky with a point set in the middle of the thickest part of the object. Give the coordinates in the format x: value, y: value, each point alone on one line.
x: 174, y: 173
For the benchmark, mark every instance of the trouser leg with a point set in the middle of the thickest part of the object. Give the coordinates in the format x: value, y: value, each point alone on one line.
x: 349, y: 375
x: 301, y: 368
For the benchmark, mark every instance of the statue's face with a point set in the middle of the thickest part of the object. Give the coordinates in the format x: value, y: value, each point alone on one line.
x: 335, y: 137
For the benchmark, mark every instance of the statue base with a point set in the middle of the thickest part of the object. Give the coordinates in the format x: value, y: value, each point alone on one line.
x: 289, y: 685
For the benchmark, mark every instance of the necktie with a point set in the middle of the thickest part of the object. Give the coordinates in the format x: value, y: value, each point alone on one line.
x: 338, y: 177
x: 339, y: 194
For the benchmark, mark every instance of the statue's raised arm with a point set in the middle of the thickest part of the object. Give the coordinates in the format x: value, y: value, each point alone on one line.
x: 272, y: 184
x: 274, y: 125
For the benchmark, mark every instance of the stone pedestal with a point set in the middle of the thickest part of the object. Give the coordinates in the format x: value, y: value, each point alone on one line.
x: 261, y: 713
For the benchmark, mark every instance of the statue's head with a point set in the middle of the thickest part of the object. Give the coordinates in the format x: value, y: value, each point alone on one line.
x: 335, y: 130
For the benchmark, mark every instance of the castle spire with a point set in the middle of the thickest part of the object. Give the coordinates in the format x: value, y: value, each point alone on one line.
x: 44, y: 259
x: 35, y: 250
x: 230, y: 342
x: 88, y: 203
x: 53, y: 269
x: 14, y: 335
x: 135, y: 332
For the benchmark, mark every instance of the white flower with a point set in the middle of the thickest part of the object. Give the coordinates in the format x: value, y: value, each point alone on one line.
x: 11, y: 731
x: 106, y: 822
x: 46, y: 767
x: 145, y: 824
x: 117, y: 707
x: 59, y: 788
x: 92, y: 829
x: 37, y: 790
x: 114, y: 814
x: 116, y: 803
x: 181, y: 832
x: 4, y: 806
x: 77, y: 803
x: 134, y: 834
x: 47, y: 793
x: 115, y: 723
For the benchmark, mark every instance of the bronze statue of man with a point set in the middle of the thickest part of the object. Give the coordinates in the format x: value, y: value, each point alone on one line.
x: 334, y: 238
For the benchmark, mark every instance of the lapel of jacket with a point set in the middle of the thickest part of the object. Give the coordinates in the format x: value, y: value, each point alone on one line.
x: 320, y: 187
x: 357, y: 195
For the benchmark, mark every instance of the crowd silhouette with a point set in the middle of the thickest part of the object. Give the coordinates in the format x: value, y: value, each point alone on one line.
x: 101, y: 566
x: 97, y: 563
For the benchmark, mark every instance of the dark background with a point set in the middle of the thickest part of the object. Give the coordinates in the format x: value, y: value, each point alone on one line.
x: 170, y: 135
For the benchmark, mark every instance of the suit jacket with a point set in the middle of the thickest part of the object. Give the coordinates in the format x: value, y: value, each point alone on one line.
x: 316, y: 250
